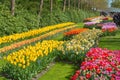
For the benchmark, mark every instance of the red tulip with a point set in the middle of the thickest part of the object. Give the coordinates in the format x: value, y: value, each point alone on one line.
x: 98, y: 71
x: 78, y: 72
x: 88, y: 76
x: 109, y: 69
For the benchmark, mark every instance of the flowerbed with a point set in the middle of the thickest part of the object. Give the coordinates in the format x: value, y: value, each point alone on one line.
x: 73, y: 32
x: 99, y: 64
x: 96, y: 22
x: 27, y: 62
x: 109, y: 28
x: 74, y: 50
x: 19, y: 44
x: 90, y: 25
x: 92, y: 18
x: 23, y: 35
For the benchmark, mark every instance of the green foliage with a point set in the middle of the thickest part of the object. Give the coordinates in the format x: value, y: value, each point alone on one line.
x: 26, y: 15
x: 116, y: 4
x: 108, y: 33
x: 17, y: 24
x: 18, y: 73
x: 60, y: 71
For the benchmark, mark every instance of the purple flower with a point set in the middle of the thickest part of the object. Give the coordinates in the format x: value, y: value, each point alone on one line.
x: 109, y: 25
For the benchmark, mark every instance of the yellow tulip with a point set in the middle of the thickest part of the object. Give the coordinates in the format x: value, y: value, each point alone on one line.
x: 20, y: 65
x: 23, y: 66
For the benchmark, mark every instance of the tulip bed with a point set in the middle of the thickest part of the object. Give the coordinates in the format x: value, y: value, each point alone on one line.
x: 109, y: 29
x: 68, y: 35
x: 77, y: 47
x: 27, y: 62
x: 99, y: 64
x: 104, y: 23
x: 23, y: 35
x: 74, y: 50
x: 19, y: 44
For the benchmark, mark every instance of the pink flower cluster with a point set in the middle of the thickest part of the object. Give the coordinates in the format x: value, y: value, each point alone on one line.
x: 110, y: 26
x: 99, y: 64
x: 89, y: 23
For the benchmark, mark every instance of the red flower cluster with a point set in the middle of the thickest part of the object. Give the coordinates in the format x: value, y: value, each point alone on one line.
x: 76, y: 75
x: 100, y: 64
x: 105, y: 18
x: 75, y: 31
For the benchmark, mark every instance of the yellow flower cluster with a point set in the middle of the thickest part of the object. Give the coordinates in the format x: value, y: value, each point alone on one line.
x: 23, y: 35
x: 28, y: 41
x: 25, y: 56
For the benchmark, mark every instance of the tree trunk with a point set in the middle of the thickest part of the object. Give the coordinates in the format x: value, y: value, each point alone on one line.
x: 64, y: 6
x: 78, y: 4
x: 74, y: 4
x: 13, y: 7
x: 68, y: 4
x: 40, y: 8
x: 51, y: 5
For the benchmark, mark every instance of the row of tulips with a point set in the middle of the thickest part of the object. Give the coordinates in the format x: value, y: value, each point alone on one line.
x: 92, y: 18
x: 68, y: 35
x: 99, y: 64
x: 74, y: 50
x: 19, y: 44
x: 27, y: 62
x: 95, y: 20
x: 109, y: 28
x: 98, y: 19
x: 23, y: 35
x: 75, y: 31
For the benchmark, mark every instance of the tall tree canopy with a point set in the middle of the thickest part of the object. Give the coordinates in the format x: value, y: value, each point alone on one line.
x: 116, y: 4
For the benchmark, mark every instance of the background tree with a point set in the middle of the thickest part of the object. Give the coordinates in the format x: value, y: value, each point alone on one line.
x: 41, y: 7
x: 51, y: 5
x: 13, y: 7
x: 69, y: 2
x: 116, y: 4
x: 64, y: 5
x: 78, y: 4
x: 74, y: 4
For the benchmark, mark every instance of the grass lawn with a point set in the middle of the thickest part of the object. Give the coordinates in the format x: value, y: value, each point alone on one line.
x: 60, y: 71
x: 110, y: 42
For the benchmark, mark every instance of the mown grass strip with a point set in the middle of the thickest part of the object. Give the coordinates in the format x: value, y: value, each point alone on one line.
x: 110, y: 42
x: 60, y: 71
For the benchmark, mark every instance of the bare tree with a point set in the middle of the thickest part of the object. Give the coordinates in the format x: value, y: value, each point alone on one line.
x: 51, y: 5
x: 74, y: 4
x: 68, y: 4
x: 79, y: 4
x: 41, y: 6
x: 13, y: 7
x: 64, y: 5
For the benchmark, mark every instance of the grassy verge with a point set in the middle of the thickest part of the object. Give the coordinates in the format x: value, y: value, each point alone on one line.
x: 60, y: 71
x: 110, y: 42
